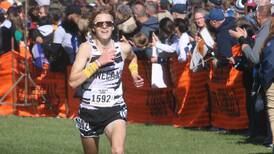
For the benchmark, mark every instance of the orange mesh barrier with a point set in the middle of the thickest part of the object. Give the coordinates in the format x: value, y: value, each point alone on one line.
x: 146, y: 105
x: 6, y: 83
x: 184, y: 103
x: 191, y: 94
x: 73, y: 102
x: 59, y: 100
x: 228, y: 99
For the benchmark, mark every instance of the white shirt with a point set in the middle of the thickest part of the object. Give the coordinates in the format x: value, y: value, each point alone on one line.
x: 184, y: 45
x: 7, y: 23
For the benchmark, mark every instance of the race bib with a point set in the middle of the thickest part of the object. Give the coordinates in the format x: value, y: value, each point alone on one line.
x: 102, y: 97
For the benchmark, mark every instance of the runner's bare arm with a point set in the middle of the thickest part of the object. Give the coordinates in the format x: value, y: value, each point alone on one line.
x: 77, y: 77
x: 133, y: 65
x: 82, y: 69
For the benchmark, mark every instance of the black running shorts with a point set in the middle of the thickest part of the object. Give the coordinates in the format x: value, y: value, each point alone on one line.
x: 91, y: 123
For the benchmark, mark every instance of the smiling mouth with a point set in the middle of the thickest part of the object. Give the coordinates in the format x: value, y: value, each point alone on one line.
x: 104, y: 31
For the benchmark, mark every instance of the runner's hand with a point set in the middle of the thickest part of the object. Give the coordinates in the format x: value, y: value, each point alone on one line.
x: 138, y: 80
x: 108, y: 56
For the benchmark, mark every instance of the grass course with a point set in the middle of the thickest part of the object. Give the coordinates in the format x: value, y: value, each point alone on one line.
x: 20, y: 135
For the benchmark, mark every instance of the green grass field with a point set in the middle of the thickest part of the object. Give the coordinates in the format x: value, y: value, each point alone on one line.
x: 59, y: 136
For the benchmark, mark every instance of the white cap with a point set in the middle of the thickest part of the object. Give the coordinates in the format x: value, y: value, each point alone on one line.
x: 43, y: 2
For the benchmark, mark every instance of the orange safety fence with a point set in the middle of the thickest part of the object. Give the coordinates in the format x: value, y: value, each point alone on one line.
x: 145, y: 104
x: 183, y: 104
x: 6, y: 82
x: 42, y: 83
x: 191, y: 93
x: 228, y: 97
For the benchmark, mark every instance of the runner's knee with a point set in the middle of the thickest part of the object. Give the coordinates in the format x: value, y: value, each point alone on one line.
x: 117, y: 150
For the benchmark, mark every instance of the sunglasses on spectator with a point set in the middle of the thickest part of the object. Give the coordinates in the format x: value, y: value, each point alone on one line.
x: 104, y: 24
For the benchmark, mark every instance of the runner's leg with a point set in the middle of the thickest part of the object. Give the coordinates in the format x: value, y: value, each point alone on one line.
x: 90, y: 145
x: 116, y: 133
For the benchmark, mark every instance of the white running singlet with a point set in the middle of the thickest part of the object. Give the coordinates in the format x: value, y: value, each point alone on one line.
x: 104, y: 88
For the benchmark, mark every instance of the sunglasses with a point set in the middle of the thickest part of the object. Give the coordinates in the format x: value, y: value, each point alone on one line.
x: 104, y: 24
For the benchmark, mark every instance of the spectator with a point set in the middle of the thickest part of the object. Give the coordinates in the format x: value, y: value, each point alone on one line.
x: 43, y: 2
x: 42, y: 35
x: 43, y: 11
x: 162, y: 50
x: 263, y: 16
x: 224, y: 42
x: 267, y: 75
x: 16, y: 16
x: 6, y: 33
x: 201, y: 48
x: 66, y: 35
x: 141, y: 46
x: 164, y: 10
x: 179, y: 11
x: 185, y: 46
x: 214, y: 4
x: 200, y: 18
x: 151, y: 8
x: 250, y: 81
x: 149, y: 24
x: 168, y: 41
x: 126, y: 23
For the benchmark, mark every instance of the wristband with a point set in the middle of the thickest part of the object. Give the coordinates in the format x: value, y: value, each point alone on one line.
x: 133, y: 68
x: 242, y: 40
x: 91, y: 69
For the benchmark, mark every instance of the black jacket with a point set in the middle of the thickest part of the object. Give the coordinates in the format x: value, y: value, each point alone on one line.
x: 224, y: 41
x: 5, y: 41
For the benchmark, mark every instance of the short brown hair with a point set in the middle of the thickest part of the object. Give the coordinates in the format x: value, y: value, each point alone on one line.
x: 140, y: 40
x: 100, y: 10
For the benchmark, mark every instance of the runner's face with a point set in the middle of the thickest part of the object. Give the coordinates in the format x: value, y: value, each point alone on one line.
x: 103, y: 26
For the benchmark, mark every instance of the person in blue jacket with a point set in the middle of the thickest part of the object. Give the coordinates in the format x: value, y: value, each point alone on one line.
x: 266, y: 74
x: 224, y: 42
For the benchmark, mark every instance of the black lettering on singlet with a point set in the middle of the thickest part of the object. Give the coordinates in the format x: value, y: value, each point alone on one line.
x: 108, y: 75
